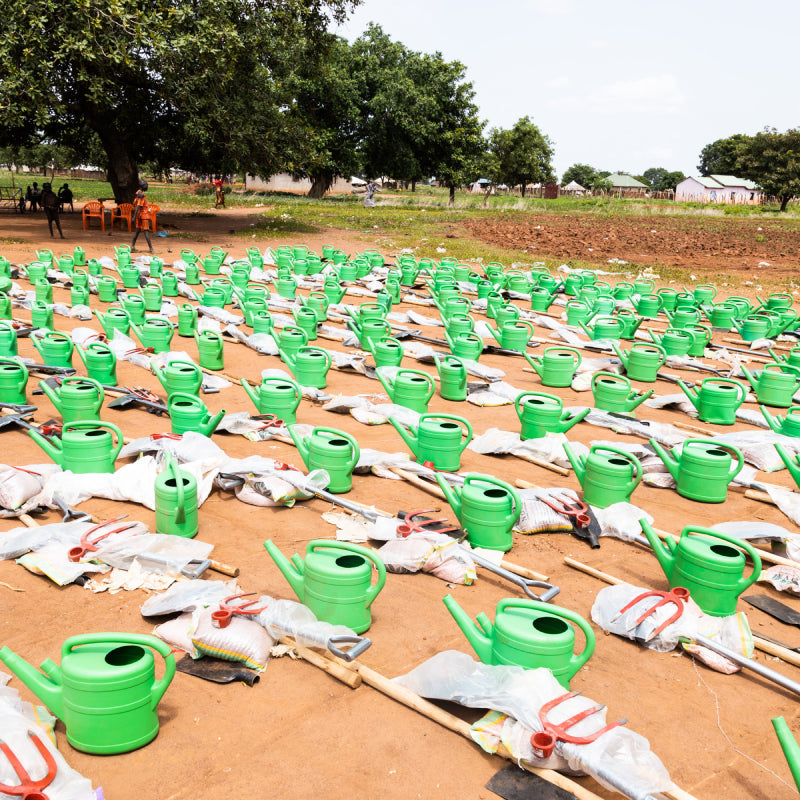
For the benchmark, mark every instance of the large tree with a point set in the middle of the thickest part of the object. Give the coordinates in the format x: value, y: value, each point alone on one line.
x: 721, y: 157
x: 201, y: 83
x: 580, y: 173
x: 772, y: 160
x: 523, y: 154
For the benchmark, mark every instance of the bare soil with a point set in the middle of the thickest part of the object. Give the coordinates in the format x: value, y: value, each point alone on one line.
x: 299, y: 733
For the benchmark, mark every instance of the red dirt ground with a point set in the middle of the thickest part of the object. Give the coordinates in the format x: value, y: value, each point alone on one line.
x: 299, y: 733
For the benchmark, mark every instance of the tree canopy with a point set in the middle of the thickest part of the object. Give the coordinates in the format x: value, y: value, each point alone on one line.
x: 721, y: 157
x: 772, y: 160
x: 175, y: 80
x: 580, y: 173
x: 522, y: 154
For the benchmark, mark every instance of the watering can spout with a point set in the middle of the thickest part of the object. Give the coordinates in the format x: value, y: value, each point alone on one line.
x: 578, y: 465
x: 138, y: 331
x: 669, y: 460
x: 480, y: 640
x: 289, y: 569
x: 788, y: 744
x: 251, y: 393
x: 493, y: 331
x: 585, y: 327
x: 789, y: 461
x: 288, y: 358
x: 771, y: 421
x: 690, y: 392
x: 654, y: 336
x: 54, y: 451
x: 211, y: 425
x: 51, y: 395
x: 622, y: 357
x: 300, y: 443
x: 535, y: 363
x: 664, y: 551
x: 386, y: 383
x: 159, y: 372
x: 450, y: 495
x: 46, y: 687
x: 409, y: 436
x: 635, y: 401
x: 750, y: 379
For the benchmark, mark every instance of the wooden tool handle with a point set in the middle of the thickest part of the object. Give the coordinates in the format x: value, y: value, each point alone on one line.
x: 349, y: 677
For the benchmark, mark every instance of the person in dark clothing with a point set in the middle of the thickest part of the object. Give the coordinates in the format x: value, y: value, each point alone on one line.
x: 50, y: 204
x: 65, y: 196
x: 36, y: 196
x: 142, y: 218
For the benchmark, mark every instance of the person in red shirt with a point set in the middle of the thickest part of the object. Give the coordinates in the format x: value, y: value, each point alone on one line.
x: 142, y: 216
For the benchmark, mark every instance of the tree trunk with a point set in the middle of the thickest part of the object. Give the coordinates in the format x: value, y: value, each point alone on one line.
x: 523, y: 189
x: 785, y: 198
x: 486, y: 194
x: 123, y: 171
x: 452, y: 201
x: 320, y: 184
x: 413, y: 186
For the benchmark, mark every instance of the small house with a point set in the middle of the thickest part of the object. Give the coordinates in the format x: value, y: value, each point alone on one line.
x: 718, y: 189
x: 626, y: 185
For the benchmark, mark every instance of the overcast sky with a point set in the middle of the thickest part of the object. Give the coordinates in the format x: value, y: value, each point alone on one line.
x: 618, y: 84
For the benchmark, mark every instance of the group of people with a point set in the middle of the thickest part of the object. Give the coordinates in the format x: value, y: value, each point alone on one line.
x: 34, y: 197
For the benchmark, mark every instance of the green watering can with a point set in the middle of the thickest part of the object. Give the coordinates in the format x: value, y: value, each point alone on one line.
x: 169, y: 283
x: 704, y: 468
x: 643, y: 361
x: 556, y: 366
x: 578, y: 311
x: 643, y: 286
x: 683, y: 318
x: 710, y: 564
x: 630, y: 323
x: 8, y: 339
x: 669, y: 298
x: 176, y: 501
x: 105, y: 691
x: 306, y: 318
x: 192, y: 274
x: 460, y: 323
x: 439, y: 439
x: 508, y: 314
x: 5, y: 306
x: 156, y: 332
x: 155, y: 267
x: 778, y: 301
x: 79, y: 296
x: 129, y: 274
x: 334, y: 581
x: 36, y: 270
x: 13, y: 380
x: 43, y: 290
x: 614, y: 393
x: 211, y: 349
x: 720, y: 315
x: 704, y: 293
x: 187, y: 320
x: 487, y: 509
x: 100, y: 362
x: 115, y: 319
x: 334, y: 451
x: 80, y: 278
x: 776, y: 384
x: 540, y: 414
x: 623, y: 290
x: 788, y: 425
x: 386, y: 351
x: 309, y: 365
x: 77, y: 398
x: 79, y: 257
x: 275, y: 395
x: 286, y: 286
x: 290, y: 340
x: 152, y: 294
x: 675, y: 342
x: 513, y: 335
x: 189, y: 413
x: 213, y: 297
x: 261, y: 320
x: 179, y: 376
x: 529, y: 634
x: 41, y: 315
x: 318, y: 302
x: 604, y: 328
x: 55, y: 348
x: 452, y: 378
x: 84, y: 446
x: 66, y: 264
x: 409, y: 387
x: 465, y: 345
x: 332, y: 290
x: 135, y: 308
x: 790, y: 462
x: 607, y: 475
x: 717, y: 399
x: 453, y: 305
x: 752, y: 327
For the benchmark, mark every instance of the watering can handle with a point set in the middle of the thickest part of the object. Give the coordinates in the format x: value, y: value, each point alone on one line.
x: 515, y: 496
x: 734, y: 451
x: 732, y: 540
x: 465, y: 424
x: 162, y: 648
x: 180, y: 516
x: 637, y: 477
x: 373, y: 591
x: 741, y: 389
x: 93, y: 423
x: 86, y: 379
x: 353, y: 443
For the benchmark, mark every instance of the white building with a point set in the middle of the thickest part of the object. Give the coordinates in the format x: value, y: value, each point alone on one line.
x: 718, y: 189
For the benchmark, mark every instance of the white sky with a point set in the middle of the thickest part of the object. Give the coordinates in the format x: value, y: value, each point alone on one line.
x: 618, y: 84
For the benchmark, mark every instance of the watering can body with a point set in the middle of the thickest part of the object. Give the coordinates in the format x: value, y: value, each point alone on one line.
x: 540, y: 414
x: 77, y: 398
x: 176, y: 502
x: 614, y: 393
x: 306, y: 319
x: 776, y: 384
x: 41, y: 315
x: 332, y: 450
x: 675, y: 342
x: 55, y: 348
x: 465, y: 345
x: 720, y: 315
x: 129, y: 275
x: 452, y: 378
x: 100, y: 362
x: 79, y: 296
x: 386, y: 351
x: 541, y: 298
x: 84, y: 447
x: 189, y: 413
x: 556, y: 366
x: 708, y: 563
x: 290, y: 340
x: 529, y: 634
x: 487, y: 509
x: 630, y: 323
x: 135, y: 308
x: 438, y: 439
x: 211, y: 349
x: 334, y: 581
x: 717, y: 399
x: 607, y: 475
x: 318, y: 302
x: 187, y: 320
x: 643, y: 361
x: 310, y: 366
x: 13, y: 381
x: 115, y: 319
x: 703, y: 470
x: 788, y: 425
x: 409, y: 387
x: 683, y: 318
x: 752, y: 327
x: 169, y: 283
x: 332, y: 289
x: 604, y: 327
x: 105, y: 690
x: 43, y: 290
x: 513, y: 335
x: 156, y: 332
x: 278, y: 396
x: 578, y: 312
x: 153, y: 294
x: 461, y: 323
x: 8, y: 339
x: 649, y: 306
x: 179, y: 376
x: 701, y: 336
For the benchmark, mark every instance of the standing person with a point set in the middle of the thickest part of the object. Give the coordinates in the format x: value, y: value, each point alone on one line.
x: 65, y: 196
x: 141, y: 216
x: 50, y: 203
x: 36, y: 196
x: 220, y: 194
x: 369, y: 198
